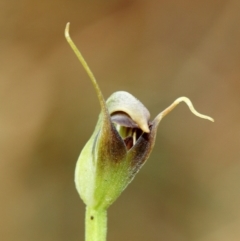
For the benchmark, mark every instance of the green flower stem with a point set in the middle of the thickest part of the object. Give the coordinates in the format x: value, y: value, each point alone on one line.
x: 95, y: 224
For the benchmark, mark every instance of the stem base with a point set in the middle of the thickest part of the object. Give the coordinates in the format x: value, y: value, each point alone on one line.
x: 96, y: 224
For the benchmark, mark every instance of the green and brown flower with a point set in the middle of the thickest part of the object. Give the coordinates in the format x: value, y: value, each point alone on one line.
x: 119, y: 146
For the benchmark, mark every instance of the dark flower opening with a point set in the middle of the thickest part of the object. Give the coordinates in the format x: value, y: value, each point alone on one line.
x: 127, y: 128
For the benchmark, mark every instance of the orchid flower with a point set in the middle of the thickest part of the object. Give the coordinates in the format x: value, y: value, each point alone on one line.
x: 119, y: 146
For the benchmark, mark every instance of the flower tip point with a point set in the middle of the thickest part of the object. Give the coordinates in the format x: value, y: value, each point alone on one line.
x: 67, y: 30
x: 145, y: 128
x: 211, y: 119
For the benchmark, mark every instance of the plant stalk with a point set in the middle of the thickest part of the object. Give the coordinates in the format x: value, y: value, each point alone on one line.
x: 95, y: 224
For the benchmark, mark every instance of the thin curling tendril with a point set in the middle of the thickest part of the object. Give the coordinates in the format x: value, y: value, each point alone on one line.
x: 189, y: 104
x: 86, y: 67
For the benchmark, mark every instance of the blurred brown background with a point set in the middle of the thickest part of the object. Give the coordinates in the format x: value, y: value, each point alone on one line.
x: 156, y: 50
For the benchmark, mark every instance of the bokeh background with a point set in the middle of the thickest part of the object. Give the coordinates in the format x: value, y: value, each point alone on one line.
x: 189, y: 190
